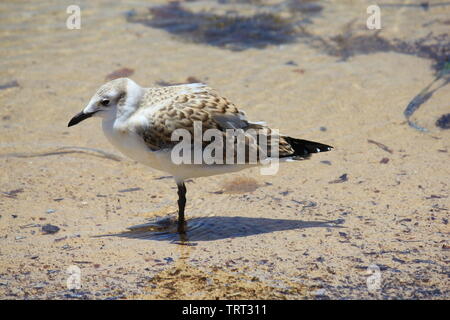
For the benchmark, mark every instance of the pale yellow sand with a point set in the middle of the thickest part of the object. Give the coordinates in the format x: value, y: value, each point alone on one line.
x: 394, y: 214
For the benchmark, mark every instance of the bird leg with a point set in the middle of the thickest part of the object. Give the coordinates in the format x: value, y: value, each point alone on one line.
x: 181, y: 206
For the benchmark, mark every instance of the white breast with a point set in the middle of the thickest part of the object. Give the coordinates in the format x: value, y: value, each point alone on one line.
x: 133, y: 146
x: 130, y: 144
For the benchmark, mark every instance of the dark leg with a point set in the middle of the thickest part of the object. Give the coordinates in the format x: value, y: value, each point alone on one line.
x: 181, y: 205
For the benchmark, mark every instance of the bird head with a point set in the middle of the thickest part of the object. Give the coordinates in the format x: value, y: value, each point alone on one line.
x: 112, y: 100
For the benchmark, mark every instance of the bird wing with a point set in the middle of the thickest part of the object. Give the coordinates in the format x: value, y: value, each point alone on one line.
x: 187, y: 104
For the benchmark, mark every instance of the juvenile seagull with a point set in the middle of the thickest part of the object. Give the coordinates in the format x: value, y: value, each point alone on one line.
x: 140, y: 121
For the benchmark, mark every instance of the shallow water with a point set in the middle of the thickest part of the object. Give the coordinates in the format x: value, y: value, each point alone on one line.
x: 283, y: 23
x: 310, y: 68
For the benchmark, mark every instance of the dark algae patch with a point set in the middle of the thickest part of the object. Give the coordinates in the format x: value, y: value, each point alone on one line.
x: 282, y: 23
x: 349, y: 43
x: 120, y: 73
x: 444, y: 121
x: 229, y: 30
x: 259, y: 23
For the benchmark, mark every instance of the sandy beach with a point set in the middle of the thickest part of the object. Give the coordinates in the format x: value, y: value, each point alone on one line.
x: 311, y: 69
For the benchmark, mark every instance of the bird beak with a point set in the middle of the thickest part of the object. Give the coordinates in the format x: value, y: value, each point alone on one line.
x: 80, y: 117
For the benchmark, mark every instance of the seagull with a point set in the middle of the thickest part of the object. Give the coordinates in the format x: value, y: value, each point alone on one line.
x: 141, y: 122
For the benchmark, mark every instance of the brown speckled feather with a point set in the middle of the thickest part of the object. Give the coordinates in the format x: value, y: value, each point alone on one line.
x: 177, y: 107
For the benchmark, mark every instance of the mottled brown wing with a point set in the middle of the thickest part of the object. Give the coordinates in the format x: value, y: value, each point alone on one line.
x: 213, y: 112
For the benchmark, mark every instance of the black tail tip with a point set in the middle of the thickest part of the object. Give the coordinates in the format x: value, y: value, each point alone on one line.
x: 304, y: 147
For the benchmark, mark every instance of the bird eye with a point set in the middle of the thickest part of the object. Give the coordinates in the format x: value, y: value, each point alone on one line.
x: 105, y: 102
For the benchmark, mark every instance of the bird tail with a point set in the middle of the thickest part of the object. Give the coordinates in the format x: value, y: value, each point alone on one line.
x: 303, y: 148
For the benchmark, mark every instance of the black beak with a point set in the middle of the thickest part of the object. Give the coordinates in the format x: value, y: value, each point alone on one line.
x: 79, y: 117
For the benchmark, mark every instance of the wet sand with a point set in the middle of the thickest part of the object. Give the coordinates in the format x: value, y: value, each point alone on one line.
x: 380, y: 197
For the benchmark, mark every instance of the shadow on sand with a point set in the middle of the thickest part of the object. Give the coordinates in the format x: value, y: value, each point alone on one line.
x: 216, y: 228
